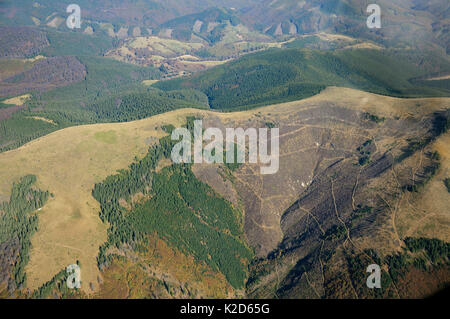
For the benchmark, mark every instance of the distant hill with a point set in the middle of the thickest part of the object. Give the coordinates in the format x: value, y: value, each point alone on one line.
x: 409, y: 22
x: 149, y: 13
x: 404, y: 23
x: 46, y: 74
x: 284, y: 75
x: 204, y: 24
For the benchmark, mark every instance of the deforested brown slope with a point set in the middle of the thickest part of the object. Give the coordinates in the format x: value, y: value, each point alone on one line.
x: 348, y: 163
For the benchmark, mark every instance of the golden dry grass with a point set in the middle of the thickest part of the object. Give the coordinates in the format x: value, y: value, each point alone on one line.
x: 164, y: 45
x: 334, y: 37
x: 379, y: 105
x: 438, y: 78
x: 11, y: 67
x: 68, y: 163
x: 187, y: 57
x: 56, y: 22
x: 40, y: 118
x: 18, y: 100
x: 149, y: 82
x: 428, y: 214
x: 364, y: 45
x: 36, y: 58
x: 36, y: 21
x: 208, y: 64
x: 382, y: 105
x: 89, y: 30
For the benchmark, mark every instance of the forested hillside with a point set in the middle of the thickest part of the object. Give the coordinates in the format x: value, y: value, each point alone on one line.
x: 107, y: 85
x: 141, y: 13
x: 112, y: 91
x: 180, y: 209
x: 284, y: 75
x: 21, y: 42
x: 46, y: 74
x: 18, y: 223
x: 413, y: 23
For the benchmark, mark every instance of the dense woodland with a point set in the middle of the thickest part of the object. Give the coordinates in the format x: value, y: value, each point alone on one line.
x: 21, y: 42
x: 185, y: 212
x: 138, y: 105
x: 18, y: 223
x: 422, y: 254
x: 46, y: 74
x: 57, y: 288
x: 275, y: 76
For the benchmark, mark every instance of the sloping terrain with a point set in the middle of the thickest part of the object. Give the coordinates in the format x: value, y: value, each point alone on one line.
x: 46, y: 74
x: 21, y: 42
x: 281, y: 75
x: 193, y: 42
x: 143, y: 13
x: 427, y: 28
x: 101, y: 79
x: 349, y: 163
x: 112, y: 91
x: 409, y: 22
